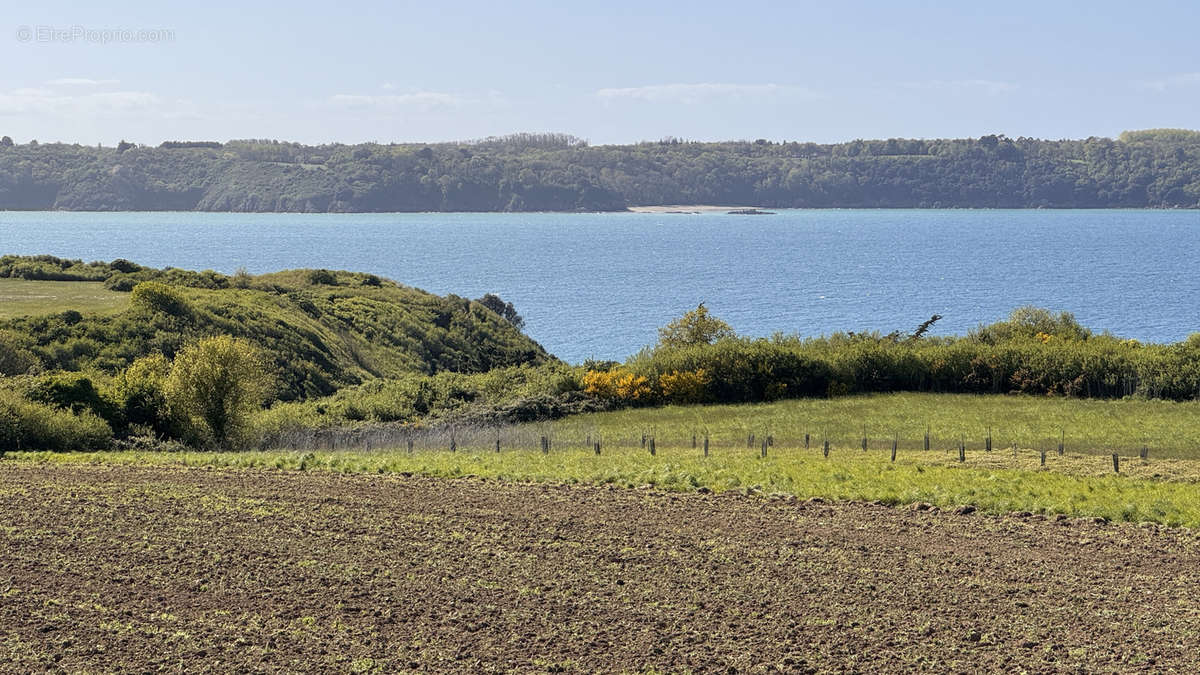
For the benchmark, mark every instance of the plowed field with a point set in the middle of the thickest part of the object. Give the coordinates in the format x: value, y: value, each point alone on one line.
x: 107, y: 568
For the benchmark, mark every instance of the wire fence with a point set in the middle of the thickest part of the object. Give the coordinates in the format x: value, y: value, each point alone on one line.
x: 546, y: 438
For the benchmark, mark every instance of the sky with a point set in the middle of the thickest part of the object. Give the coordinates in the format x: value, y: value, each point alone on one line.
x: 608, y: 72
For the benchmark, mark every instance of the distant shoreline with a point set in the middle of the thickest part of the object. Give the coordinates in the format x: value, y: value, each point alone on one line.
x: 688, y: 208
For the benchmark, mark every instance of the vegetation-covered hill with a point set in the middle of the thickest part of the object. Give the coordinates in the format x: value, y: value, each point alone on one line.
x: 527, y: 172
x: 323, y: 330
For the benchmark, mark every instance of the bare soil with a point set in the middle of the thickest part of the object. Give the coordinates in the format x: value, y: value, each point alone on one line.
x: 142, y: 569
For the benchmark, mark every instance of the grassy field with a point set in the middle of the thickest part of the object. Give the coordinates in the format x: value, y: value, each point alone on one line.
x: 1156, y: 490
x: 19, y: 297
x: 1023, y: 471
x: 1168, y: 429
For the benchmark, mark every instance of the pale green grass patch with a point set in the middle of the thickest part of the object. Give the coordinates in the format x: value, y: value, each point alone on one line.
x: 21, y: 297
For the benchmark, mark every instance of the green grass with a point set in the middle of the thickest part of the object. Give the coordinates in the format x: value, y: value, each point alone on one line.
x: 1169, y: 429
x: 1164, y: 489
x: 19, y: 297
x: 846, y: 474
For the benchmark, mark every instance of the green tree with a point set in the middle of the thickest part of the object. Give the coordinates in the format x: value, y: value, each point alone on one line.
x: 141, y: 391
x: 695, y: 327
x: 215, y: 385
x: 504, y: 309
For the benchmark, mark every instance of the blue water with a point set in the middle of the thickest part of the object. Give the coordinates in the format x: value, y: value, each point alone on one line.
x: 599, y: 285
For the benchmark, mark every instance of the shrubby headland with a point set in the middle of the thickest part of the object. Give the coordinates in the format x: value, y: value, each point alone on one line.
x: 214, y: 360
x: 556, y: 172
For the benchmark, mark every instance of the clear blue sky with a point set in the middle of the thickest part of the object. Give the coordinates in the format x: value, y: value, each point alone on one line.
x: 610, y: 71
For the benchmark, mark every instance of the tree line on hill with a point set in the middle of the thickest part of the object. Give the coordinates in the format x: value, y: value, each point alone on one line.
x: 555, y: 172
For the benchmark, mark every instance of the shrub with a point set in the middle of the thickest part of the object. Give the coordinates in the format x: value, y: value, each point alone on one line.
x: 27, y: 425
x: 689, y: 386
x: 141, y: 390
x: 322, y: 278
x: 77, y: 393
x: 158, y: 297
x: 15, y: 357
x: 214, y: 386
x: 694, y: 328
x: 617, y: 385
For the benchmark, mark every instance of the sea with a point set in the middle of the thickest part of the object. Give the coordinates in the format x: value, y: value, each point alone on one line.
x: 599, y: 285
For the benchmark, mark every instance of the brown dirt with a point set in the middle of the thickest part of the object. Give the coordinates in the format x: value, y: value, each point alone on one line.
x: 142, y: 569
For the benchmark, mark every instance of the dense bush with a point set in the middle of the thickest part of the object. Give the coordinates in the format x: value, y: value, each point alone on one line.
x: 141, y: 392
x: 516, y: 393
x: 26, y: 425
x: 214, y: 386
x: 15, y: 356
x: 158, y: 297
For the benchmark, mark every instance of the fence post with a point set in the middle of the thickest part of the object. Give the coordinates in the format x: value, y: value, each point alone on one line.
x: 453, y: 445
x: 962, y: 452
x: 706, y: 445
x: 597, y: 446
x: 693, y: 441
x: 926, y: 439
x: 764, y: 448
x: 806, y: 440
x: 895, y: 442
x: 988, y: 447
x: 1043, y: 457
x: 1061, y: 442
x: 410, y: 446
x: 651, y: 446
x: 1145, y: 452
x: 864, y: 440
x: 827, y: 447
x: 750, y: 441
x: 1116, y: 463
x: 497, y: 445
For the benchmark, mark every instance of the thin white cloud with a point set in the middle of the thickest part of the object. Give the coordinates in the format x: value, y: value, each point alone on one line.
x: 1172, y: 82
x: 81, y: 82
x: 989, y: 87
x: 420, y: 101
x: 31, y: 101
x: 700, y: 92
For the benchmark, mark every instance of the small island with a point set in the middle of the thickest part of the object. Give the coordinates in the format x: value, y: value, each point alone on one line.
x: 751, y: 212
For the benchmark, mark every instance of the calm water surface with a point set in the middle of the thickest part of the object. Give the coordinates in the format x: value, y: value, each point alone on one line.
x: 598, y: 285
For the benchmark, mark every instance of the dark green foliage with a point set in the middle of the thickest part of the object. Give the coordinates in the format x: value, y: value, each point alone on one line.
x: 503, y: 309
x: 119, y: 275
x: 27, y: 425
x: 76, y: 393
x: 742, y: 369
x: 179, y: 145
x: 50, y: 268
x: 528, y: 172
x: 15, y: 356
x: 322, y: 278
x: 1061, y: 364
